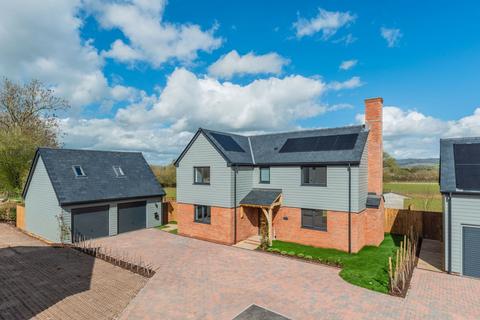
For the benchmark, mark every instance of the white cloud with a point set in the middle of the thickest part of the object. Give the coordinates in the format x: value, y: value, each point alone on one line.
x: 234, y: 64
x: 150, y: 38
x: 326, y: 22
x: 412, y: 134
x: 391, y: 35
x: 161, y: 125
x: 267, y: 103
x: 348, y: 64
x: 352, y: 83
x: 41, y: 40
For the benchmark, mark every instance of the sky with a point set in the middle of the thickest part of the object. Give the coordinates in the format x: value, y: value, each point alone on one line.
x: 143, y: 75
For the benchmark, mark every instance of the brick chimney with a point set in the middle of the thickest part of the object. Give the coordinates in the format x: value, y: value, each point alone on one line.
x: 374, y: 122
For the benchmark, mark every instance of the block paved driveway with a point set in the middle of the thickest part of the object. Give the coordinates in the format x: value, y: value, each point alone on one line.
x: 42, y: 282
x: 202, y: 280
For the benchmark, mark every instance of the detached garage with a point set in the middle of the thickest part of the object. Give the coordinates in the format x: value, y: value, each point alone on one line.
x: 90, y: 194
x: 460, y: 186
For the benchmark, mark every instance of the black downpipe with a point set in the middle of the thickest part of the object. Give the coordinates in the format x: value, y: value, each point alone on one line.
x: 349, y: 209
x: 235, y: 169
x: 449, y: 233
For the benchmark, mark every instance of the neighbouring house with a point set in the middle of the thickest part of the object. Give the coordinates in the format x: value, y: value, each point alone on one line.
x: 394, y: 200
x: 316, y: 187
x: 84, y: 194
x: 460, y: 187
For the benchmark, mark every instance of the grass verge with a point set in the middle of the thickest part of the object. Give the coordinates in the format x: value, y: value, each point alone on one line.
x: 367, y: 268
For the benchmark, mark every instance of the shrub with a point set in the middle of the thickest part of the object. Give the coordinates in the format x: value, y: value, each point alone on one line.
x: 283, y: 252
x: 300, y: 255
x: 291, y: 253
x: 308, y: 257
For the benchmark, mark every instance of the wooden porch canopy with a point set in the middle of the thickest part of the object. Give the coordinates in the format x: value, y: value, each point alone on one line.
x: 266, y: 200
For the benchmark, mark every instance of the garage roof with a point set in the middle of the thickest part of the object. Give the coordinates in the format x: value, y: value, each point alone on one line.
x: 460, y: 165
x: 101, y: 181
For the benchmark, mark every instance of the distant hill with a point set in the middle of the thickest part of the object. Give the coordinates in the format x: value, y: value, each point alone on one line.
x: 408, y: 163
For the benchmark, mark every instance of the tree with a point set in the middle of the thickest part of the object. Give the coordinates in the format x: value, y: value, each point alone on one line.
x: 27, y: 120
x: 166, y: 175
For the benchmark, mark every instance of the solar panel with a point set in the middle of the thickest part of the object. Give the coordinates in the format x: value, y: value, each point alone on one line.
x: 467, y: 166
x: 320, y: 143
x: 227, y: 142
x: 467, y: 153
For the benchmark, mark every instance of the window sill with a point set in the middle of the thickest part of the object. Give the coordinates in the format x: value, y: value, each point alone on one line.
x: 313, y: 185
x: 201, y: 184
x: 315, y: 229
x: 202, y: 222
x: 264, y: 182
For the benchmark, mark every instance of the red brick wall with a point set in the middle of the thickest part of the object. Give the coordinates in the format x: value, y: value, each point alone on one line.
x: 367, y: 227
x: 219, y: 230
x: 374, y: 118
x: 335, y: 237
x: 374, y: 225
x: 247, y: 223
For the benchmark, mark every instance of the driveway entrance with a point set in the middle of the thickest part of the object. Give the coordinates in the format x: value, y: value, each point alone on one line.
x: 202, y: 280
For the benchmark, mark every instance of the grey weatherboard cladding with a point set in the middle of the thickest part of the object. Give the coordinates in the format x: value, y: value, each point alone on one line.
x: 100, y: 183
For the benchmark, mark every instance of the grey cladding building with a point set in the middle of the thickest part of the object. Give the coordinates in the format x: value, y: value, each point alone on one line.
x: 460, y: 186
x: 91, y: 193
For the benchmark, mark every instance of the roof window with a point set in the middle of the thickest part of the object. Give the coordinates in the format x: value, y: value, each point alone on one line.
x: 78, y: 170
x: 118, y: 171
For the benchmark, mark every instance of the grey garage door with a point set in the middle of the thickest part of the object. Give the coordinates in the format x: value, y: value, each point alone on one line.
x: 131, y: 216
x: 89, y: 223
x: 471, y: 251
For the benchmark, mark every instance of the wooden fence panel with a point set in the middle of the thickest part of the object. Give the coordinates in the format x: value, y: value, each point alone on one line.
x: 399, y: 221
x: 170, y: 208
x: 429, y: 225
x: 20, y: 217
x: 433, y: 225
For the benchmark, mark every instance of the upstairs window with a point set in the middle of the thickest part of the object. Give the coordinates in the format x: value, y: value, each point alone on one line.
x: 79, y: 171
x: 314, y: 176
x: 118, y: 171
x: 265, y: 175
x: 201, y: 175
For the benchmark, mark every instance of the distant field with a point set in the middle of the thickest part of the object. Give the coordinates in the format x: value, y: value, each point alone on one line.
x: 171, y: 192
x: 424, y: 196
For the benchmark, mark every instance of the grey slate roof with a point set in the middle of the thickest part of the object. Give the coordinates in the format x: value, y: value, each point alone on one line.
x: 261, y: 197
x: 447, y: 163
x: 100, y: 183
x: 264, y: 149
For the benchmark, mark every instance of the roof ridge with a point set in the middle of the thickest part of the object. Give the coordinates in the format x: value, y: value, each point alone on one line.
x: 308, y: 130
x: 87, y: 150
x: 251, y: 150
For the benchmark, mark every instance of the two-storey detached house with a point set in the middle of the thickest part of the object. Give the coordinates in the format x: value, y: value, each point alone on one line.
x: 316, y: 187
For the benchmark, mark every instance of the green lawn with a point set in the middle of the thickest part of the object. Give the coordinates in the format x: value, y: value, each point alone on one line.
x: 367, y: 269
x: 171, y: 192
x: 412, y: 188
x: 424, y: 196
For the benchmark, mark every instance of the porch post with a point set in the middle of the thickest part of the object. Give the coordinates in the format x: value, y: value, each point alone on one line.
x: 268, y: 215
